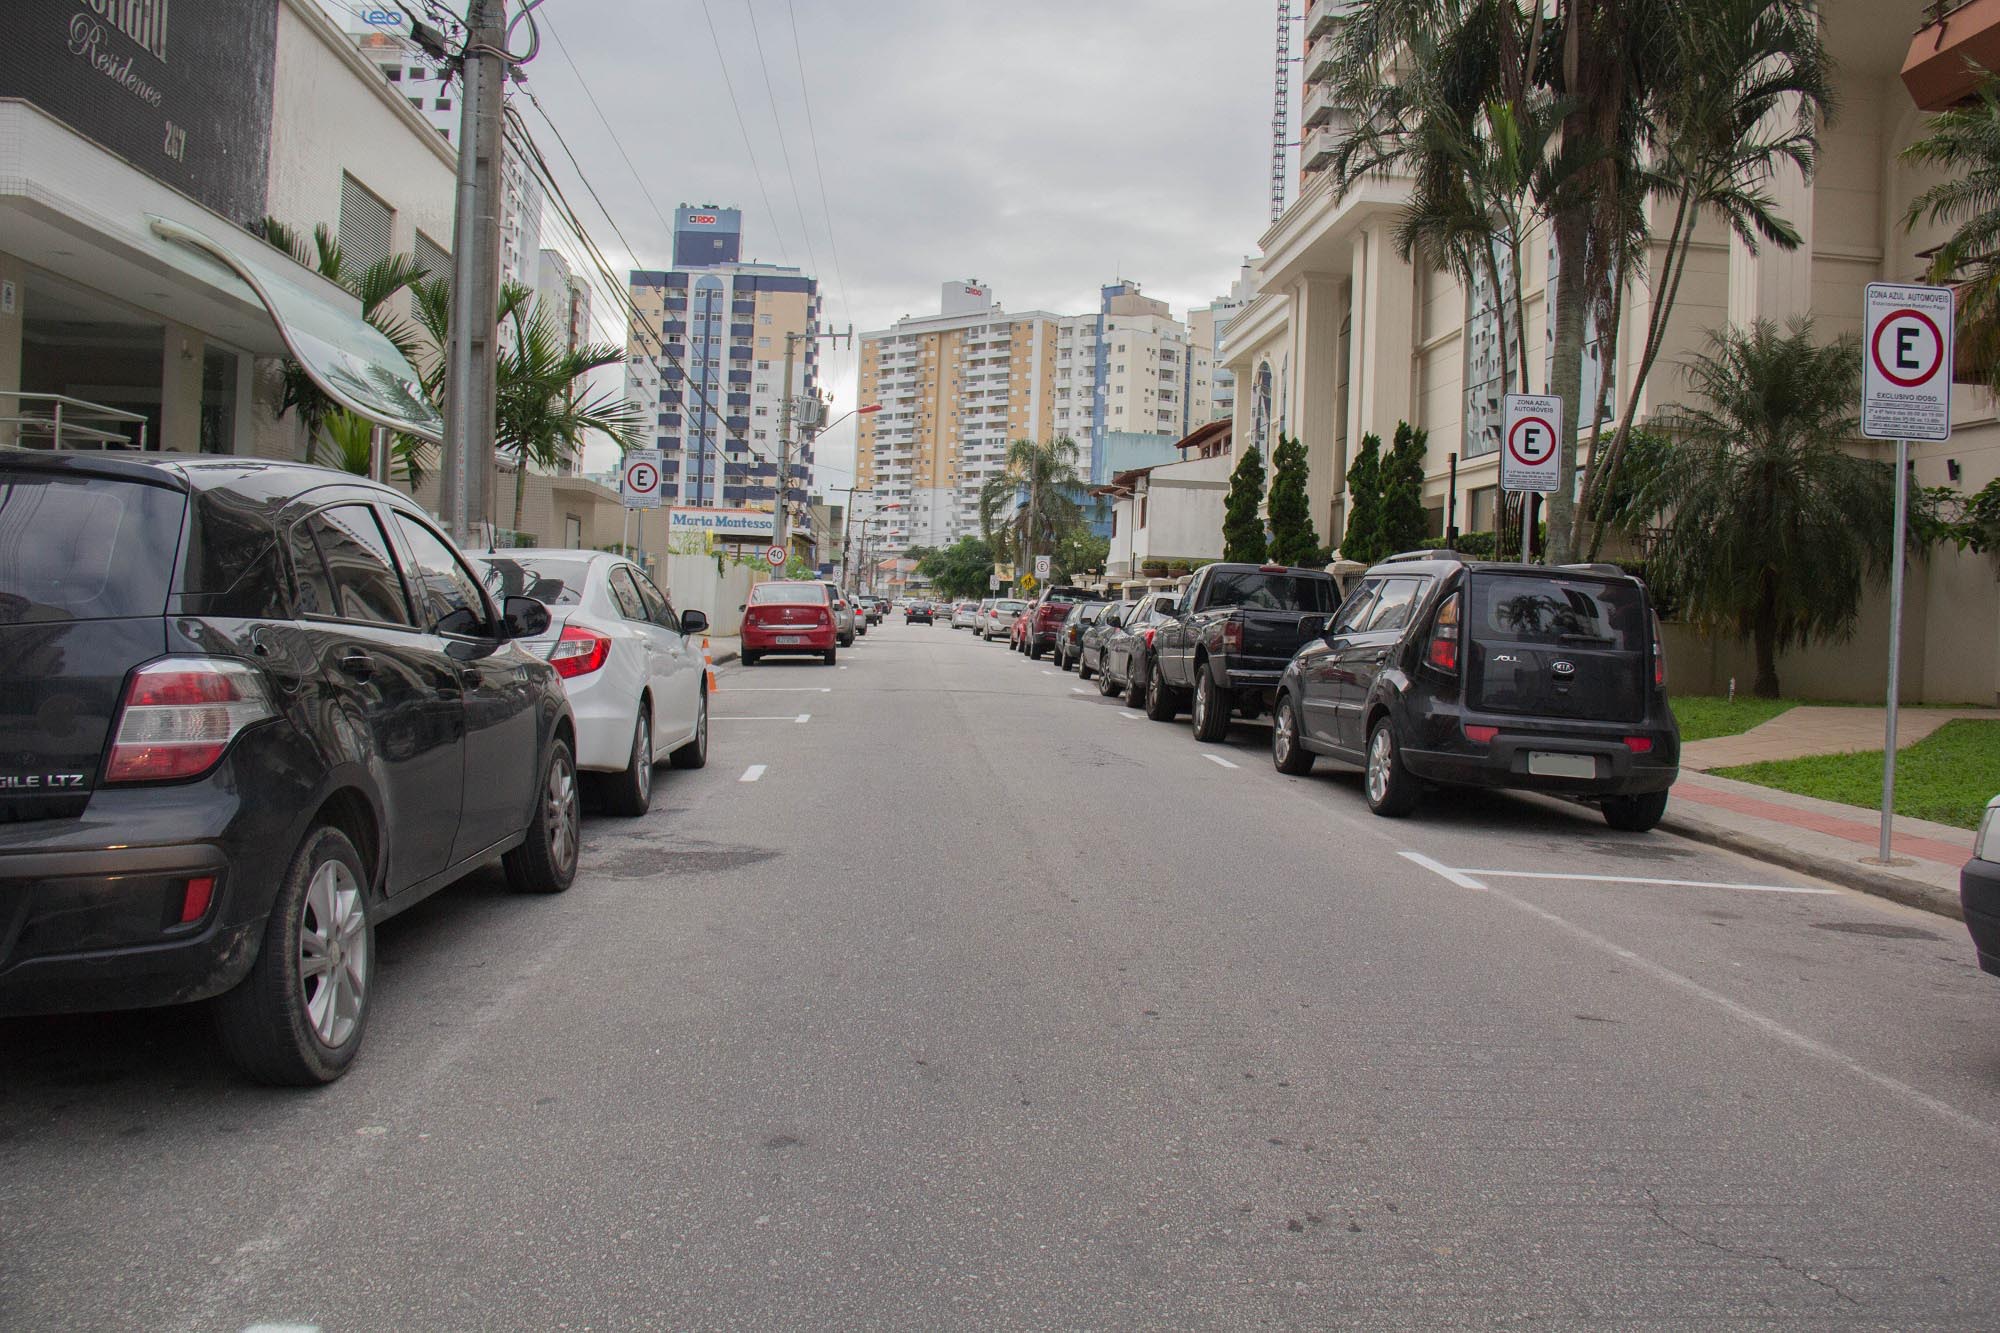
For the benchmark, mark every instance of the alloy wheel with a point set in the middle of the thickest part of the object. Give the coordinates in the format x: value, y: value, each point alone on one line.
x: 644, y: 745
x: 559, y: 814
x: 333, y: 953
x: 1284, y: 739
x: 1380, y: 751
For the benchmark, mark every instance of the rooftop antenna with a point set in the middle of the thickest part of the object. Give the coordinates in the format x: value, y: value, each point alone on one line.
x: 1281, y: 103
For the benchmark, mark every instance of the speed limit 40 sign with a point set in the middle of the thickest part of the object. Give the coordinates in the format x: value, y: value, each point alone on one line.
x: 1907, y: 338
x: 1530, y: 426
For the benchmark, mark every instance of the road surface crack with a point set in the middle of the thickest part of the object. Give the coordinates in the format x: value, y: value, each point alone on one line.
x: 1659, y: 1214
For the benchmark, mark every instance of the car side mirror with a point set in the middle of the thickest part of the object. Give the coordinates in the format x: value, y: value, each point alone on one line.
x: 693, y: 622
x: 1312, y: 626
x: 523, y: 618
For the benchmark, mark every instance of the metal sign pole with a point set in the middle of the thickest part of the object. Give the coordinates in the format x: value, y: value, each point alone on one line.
x: 1895, y: 646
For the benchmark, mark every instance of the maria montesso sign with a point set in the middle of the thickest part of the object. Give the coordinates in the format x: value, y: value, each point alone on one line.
x: 180, y: 90
x: 735, y: 525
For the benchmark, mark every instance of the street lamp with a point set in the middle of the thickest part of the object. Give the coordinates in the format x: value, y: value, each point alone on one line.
x: 784, y: 479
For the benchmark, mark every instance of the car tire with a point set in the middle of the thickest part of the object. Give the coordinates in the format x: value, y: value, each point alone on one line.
x: 1289, y: 754
x: 1135, y: 686
x: 748, y: 658
x: 845, y: 642
x: 695, y: 753
x: 1390, y: 788
x: 1635, y: 814
x: 279, y: 1025
x: 1211, y: 709
x: 1162, y: 700
x: 546, y: 862
x: 1106, y: 686
x: 630, y: 793
x: 1083, y: 671
x: 832, y: 656
x: 1035, y: 651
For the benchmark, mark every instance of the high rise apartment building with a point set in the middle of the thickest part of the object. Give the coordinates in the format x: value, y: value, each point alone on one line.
x: 382, y: 31
x: 958, y: 386
x: 706, y: 356
x: 1211, y: 384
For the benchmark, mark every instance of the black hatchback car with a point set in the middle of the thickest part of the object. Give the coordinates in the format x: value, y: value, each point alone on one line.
x: 1441, y: 670
x: 248, y: 710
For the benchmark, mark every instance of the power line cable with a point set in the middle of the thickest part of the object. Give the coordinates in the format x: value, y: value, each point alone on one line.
x: 778, y: 124
x: 616, y: 142
x: 744, y: 128
x: 812, y: 137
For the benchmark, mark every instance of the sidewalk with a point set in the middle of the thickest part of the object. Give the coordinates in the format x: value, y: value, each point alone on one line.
x: 1824, y: 838
x: 724, y: 648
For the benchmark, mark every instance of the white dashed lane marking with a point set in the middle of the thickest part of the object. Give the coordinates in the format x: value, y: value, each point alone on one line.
x: 801, y: 717
x: 1218, y: 759
x: 1130, y: 717
x: 752, y: 773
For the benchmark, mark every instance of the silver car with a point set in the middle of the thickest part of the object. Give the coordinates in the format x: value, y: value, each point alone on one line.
x: 996, y: 617
x: 965, y: 615
x: 843, y: 615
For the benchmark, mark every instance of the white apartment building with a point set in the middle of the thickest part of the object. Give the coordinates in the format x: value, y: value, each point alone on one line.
x: 1211, y: 391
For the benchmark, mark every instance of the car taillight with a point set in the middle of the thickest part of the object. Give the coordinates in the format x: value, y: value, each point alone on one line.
x: 1480, y: 735
x: 1147, y: 635
x: 579, y: 651
x: 1639, y: 744
x: 1659, y: 656
x: 1232, y: 635
x: 1443, y: 650
x: 180, y: 714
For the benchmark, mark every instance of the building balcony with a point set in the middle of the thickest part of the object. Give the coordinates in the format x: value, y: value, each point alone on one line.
x: 1950, y: 54
x: 1318, y: 105
x: 1318, y: 148
x: 1321, y: 15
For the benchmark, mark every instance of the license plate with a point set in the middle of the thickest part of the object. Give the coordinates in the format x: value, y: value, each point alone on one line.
x: 791, y: 638
x: 1544, y: 764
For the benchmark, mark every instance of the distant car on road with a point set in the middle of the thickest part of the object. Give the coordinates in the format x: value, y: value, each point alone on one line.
x: 917, y: 611
x: 996, y: 617
x: 1090, y: 646
x: 846, y: 626
x: 790, y: 616
x: 1127, y: 652
x: 1469, y: 673
x: 1236, y: 628
x: 633, y: 672
x: 965, y: 615
x: 251, y: 710
x: 1979, y: 889
x: 1069, y: 637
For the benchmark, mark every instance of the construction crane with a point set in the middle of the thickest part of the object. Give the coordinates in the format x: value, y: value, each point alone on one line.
x: 1281, y: 108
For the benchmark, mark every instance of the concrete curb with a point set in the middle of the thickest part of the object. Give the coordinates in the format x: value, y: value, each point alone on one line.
x: 1882, y: 882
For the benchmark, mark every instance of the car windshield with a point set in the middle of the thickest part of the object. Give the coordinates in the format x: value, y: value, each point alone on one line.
x: 1562, y: 612
x: 547, y: 579
x: 768, y: 594
x: 74, y: 547
x: 1260, y: 591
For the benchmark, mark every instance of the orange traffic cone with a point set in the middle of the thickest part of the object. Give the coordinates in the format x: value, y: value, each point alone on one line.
x: 708, y: 664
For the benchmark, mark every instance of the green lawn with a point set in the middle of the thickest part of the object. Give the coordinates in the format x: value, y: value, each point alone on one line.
x: 1703, y: 716
x: 1947, y: 777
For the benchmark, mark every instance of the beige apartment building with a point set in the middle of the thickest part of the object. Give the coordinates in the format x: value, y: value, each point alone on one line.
x: 1346, y: 338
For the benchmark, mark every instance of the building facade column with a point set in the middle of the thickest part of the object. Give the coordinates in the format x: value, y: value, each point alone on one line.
x: 180, y: 389
x: 1776, y: 284
x: 1382, y: 308
x: 1314, y: 416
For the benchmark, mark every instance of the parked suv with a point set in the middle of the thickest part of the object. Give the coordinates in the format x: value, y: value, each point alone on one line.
x: 250, y: 710
x: 1440, y: 670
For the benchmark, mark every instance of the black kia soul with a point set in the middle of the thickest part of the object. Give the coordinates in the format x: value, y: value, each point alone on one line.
x: 247, y: 711
x: 1441, y: 670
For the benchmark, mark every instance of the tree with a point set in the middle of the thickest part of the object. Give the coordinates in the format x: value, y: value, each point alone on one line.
x: 1293, y: 541
x: 1579, y: 112
x: 1242, y: 524
x: 1768, y: 527
x: 1362, y: 539
x: 959, y: 570
x: 540, y: 419
x: 1965, y: 141
x: 1026, y: 510
x: 1080, y: 550
x: 1404, y: 525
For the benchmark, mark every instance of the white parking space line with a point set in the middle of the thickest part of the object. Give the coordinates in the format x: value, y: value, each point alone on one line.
x: 1130, y: 717
x: 784, y: 689
x: 752, y: 773
x: 1218, y: 759
x: 788, y: 717
x: 1642, y: 879
x: 1078, y: 689
x: 1763, y: 1023
x: 1051, y: 673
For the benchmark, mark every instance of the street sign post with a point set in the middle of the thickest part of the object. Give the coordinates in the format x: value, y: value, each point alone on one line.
x: 639, y: 479
x: 993, y: 583
x: 1908, y: 333
x: 1042, y: 565
x: 1027, y: 582
x: 1530, y: 426
x: 775, y: 557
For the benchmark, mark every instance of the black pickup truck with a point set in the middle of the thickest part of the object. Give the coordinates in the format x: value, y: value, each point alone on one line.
x: 1237, y: 629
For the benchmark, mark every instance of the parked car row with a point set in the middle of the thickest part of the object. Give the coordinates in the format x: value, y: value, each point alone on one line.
x: 1429, y: 671
x: 253, y: 709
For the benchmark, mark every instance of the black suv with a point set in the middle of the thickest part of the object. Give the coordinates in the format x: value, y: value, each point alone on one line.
x: 248, y: 710
x: 1436, y: 669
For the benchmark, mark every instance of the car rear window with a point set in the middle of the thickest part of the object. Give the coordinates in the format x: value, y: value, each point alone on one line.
x: 767, y: 594
x: 549, y: 580
x: 1270, y: 592
x: 1010, y: 606
x: 85, y: 548
x: 1525, y: 609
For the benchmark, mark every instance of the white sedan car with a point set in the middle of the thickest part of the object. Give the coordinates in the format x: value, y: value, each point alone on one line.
x: 631, y: 664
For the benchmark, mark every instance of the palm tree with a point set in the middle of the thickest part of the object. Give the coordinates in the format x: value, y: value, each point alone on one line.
x: 1039, y: 498
x: 1768, y: 527
x: 373, y: 287
x: 1965, y: 141
x: 540, y: 418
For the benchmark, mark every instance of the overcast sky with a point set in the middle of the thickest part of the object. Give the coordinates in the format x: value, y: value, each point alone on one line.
x: 1043, y: 146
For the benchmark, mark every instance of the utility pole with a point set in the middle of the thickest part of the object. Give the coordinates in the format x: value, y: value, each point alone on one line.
x: 785, y: 418
x: 475, y: 264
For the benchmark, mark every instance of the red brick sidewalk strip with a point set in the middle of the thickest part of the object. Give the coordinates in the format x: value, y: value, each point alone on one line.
x: 1852, y: 830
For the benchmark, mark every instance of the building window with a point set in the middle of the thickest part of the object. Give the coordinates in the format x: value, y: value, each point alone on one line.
x: 763, y: 365
x: 763, y: 342
x: 441, y: 104
x: 435, y: 260
x: 763, y: 319
x: 1260, y: 421
x: 393, y: 73
x: 367, y: 224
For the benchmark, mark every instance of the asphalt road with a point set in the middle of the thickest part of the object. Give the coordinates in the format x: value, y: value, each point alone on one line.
x: 952, y: 995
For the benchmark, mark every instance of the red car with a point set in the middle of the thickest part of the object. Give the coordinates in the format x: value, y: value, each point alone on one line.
x: 783, y: 616
x: 1017, y: 633
x: 1045, y: 620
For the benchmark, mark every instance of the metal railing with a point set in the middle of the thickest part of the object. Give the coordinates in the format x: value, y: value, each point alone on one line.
x: 66, y: 423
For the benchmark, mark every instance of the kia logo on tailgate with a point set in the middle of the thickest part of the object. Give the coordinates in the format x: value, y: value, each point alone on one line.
x: 1564, y: 668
